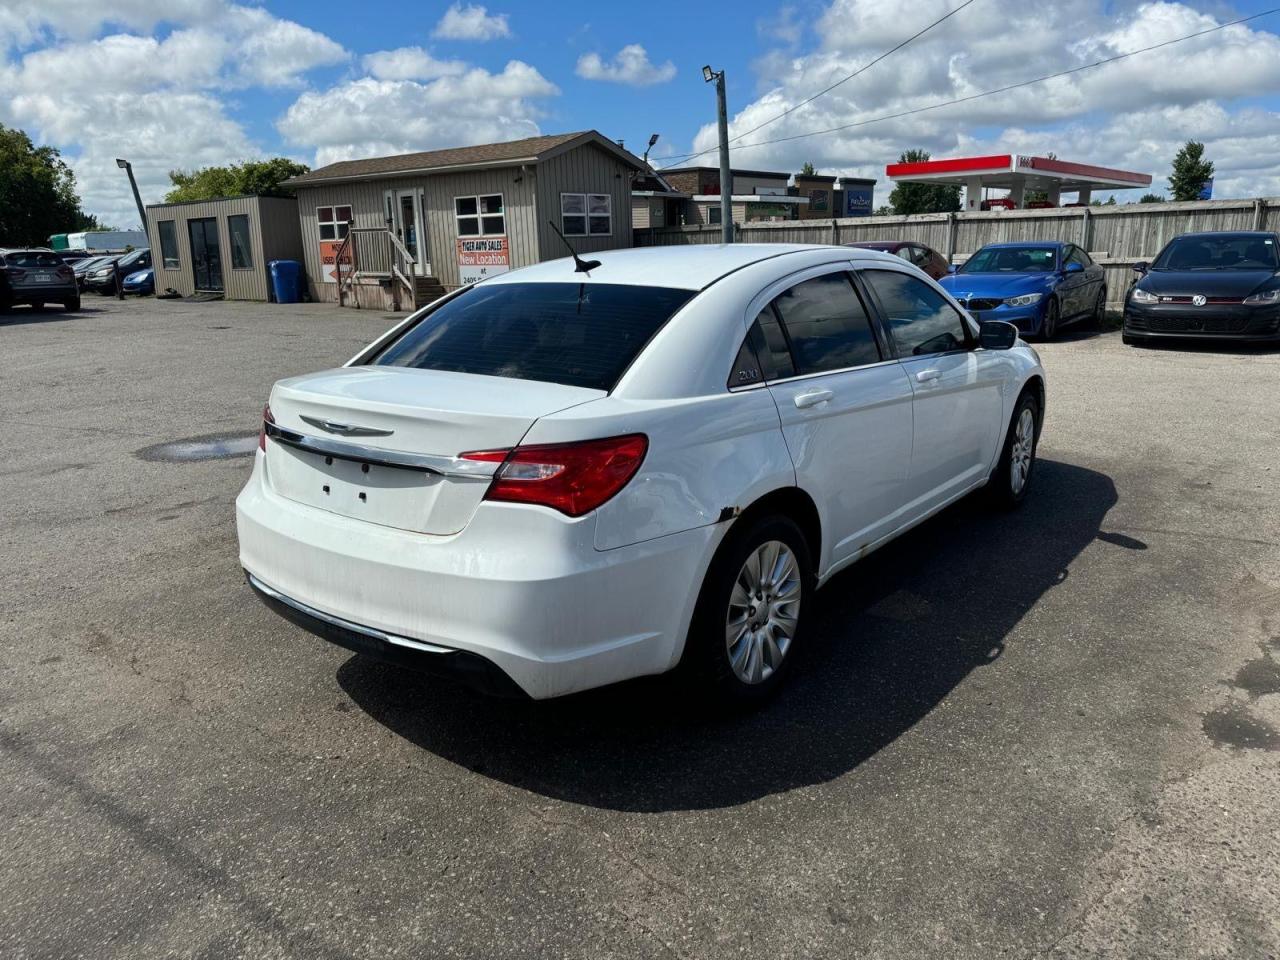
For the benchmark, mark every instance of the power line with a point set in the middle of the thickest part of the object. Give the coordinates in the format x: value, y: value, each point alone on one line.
x: 826, y: 90
x: 1012, y: 86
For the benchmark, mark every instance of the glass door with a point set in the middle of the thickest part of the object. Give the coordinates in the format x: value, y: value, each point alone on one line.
x: 206, y: 254
x: 409, y: 228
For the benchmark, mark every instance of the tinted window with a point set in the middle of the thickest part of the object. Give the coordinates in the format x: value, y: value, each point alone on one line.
x: 1012, y: 260
x: 241, y: 251
x: 919, y: 317
x: 1078, y: 256
x: 764, y: 355
x: 826, y: 324
x: 582, y: 335
x: 33, y: 259
x: 1227, y: 251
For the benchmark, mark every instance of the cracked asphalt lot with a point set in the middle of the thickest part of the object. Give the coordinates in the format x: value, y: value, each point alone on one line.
x: 1054, y: 733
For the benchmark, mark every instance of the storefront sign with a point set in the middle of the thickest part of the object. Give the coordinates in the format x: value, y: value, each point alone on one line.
x: 819, y: 201
x: 481, y: 257
x: 857, y: 201
x: 328, y: 251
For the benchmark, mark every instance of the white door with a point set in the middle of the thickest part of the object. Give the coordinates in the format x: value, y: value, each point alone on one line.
x: 408, y: 227
x: 959, y: 388
x: 845, y: 407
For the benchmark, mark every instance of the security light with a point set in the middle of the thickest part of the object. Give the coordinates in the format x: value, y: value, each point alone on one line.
x: 708, y: 74
x: 122, y: 164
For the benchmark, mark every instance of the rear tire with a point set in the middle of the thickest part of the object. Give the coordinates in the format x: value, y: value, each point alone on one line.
x: 1049, y: 326
x: 1011, y: 480
x: 1099, y: 315
x: 750, y: 612
x: 71, y: 304
x: 37, y: 308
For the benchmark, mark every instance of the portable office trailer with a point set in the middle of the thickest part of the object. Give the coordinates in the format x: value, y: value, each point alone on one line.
x: 223, y: 246
x: 461, y: 214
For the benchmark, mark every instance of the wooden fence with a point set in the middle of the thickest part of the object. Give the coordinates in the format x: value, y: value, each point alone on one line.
x: 1117, y: 237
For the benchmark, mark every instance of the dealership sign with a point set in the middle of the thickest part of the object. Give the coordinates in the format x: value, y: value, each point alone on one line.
x: 481, y: 257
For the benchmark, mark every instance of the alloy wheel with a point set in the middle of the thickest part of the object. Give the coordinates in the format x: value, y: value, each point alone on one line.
x: 764, y: 608
x: 1024, y: 441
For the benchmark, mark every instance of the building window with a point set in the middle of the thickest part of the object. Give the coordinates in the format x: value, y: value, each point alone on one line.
x: 241, y: 250
x: 169, y: 244
x: 586, y: 214
x: 713, y: 216
x: 482, y: 216
x: 333, y: 222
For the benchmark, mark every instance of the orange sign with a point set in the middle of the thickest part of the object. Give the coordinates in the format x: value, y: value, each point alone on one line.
x: 480, y: 257
x: 328, y: 255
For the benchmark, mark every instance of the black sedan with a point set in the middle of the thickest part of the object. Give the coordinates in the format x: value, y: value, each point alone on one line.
x: 1208, y: 286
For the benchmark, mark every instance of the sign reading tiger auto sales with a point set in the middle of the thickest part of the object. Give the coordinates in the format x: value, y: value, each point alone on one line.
x: 481, y: 257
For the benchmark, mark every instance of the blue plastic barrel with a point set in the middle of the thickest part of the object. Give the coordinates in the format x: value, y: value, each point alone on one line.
x: 286, y: 280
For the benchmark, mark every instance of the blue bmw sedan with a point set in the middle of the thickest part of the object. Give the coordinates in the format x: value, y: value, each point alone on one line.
x: 1038, y: 287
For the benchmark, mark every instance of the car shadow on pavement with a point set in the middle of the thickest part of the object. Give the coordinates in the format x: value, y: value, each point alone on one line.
x: 17, y: 316
x: 889, y: 639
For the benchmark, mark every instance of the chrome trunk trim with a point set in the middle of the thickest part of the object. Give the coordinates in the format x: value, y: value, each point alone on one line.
x: 445, y: 466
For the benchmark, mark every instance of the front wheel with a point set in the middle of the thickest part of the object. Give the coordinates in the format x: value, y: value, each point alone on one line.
x: 1049, y: 326
x: 1012, y: 477
x: 749, y: 614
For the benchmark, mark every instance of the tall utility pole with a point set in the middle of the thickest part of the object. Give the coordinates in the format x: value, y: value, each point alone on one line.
x: 726, y: 175
x: 127, y: 167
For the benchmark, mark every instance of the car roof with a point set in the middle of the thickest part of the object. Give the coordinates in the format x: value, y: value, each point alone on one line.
x: 1026, y: 243
x: 691, y: 267
x: 1205, y: 234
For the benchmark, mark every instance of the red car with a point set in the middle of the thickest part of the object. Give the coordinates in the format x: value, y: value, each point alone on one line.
x: 926, y: 258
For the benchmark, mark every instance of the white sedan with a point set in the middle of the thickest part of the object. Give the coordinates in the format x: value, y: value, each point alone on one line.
x: 556, y: 479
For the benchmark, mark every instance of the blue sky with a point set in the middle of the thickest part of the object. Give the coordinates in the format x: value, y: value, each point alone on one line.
x: 184, y: 83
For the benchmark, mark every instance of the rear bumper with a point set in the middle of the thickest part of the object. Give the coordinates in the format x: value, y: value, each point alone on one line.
x: 521, y: 588
x: 1212, y: 322
x: 45, y: 293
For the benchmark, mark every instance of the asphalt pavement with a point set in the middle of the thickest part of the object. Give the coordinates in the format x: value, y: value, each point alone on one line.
x: 1051, y: 733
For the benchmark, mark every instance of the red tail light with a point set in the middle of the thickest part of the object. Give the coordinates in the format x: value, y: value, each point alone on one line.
x: 573, y: 478
x: 262, y: 431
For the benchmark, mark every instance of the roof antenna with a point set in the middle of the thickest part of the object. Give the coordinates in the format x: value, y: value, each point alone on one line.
x: 579, y: 265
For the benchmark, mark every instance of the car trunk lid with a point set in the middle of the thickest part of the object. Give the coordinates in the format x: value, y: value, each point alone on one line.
x: 380, y: 444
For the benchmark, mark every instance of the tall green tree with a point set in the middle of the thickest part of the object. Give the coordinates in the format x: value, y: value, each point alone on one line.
x: 1190, y: 171
x: 37, y: 192
x: 907, y: 198
x: 807, y: 170
x: 1151, y: 198
x: 259, y: 177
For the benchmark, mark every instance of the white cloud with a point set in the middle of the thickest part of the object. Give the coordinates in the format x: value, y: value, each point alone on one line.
x: 410, y: 63
x: 1131, y: 114
x: 630, y: 66
x: 372, y: 117
x: 161, y: 100
x: 471, y: 22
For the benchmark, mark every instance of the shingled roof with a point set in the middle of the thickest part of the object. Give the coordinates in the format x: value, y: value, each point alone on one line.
x: 529, y: 150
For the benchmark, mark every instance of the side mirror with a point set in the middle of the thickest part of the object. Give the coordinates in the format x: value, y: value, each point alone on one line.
x: 997, y: 334
x: 952, y: 268
x: 1141, y: 268
x: 1073, y: 268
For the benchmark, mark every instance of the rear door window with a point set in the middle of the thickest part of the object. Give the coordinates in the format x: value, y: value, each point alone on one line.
x: 918, y: 316
x: 577, y: 334
x: 827, y: 325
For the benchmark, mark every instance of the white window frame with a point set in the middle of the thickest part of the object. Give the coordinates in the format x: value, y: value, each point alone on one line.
x: 339, y: 227
x: 587, y: 215
x: 480, y: 216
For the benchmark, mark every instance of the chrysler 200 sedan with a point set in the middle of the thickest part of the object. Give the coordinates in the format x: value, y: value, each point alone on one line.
x: 581, y: 472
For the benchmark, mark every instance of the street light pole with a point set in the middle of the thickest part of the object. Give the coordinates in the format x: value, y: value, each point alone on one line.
x: 137, y: 197
x: 726, y: 175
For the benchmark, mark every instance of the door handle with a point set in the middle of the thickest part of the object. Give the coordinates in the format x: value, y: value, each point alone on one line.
x: 926, y: 376
x: 812, y: 398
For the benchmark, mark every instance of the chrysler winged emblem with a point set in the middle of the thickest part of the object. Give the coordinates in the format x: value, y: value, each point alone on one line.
x: 346, y: 429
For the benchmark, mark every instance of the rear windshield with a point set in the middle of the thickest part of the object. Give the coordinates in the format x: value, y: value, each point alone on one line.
x: 33, y: 259
x: 1012, y: 260
x: 1227, y: 252
x: 577, y: 334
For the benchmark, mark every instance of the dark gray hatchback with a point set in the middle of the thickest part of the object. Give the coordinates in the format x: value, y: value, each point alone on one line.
x: 36, y: 277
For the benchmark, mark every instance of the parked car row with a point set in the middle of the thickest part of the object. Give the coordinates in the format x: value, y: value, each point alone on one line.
x: 1220, y: 285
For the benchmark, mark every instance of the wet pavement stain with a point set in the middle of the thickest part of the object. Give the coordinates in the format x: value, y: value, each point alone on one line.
x: 1234, y: 726
x: 1259, y: 677
x: 217, y: 446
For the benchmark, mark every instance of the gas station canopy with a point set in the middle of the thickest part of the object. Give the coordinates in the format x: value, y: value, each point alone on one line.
x: 1018, y: 175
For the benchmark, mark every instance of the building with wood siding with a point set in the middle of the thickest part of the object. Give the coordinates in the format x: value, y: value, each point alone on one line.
x: 434, y: 221
x: 224, y: 245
